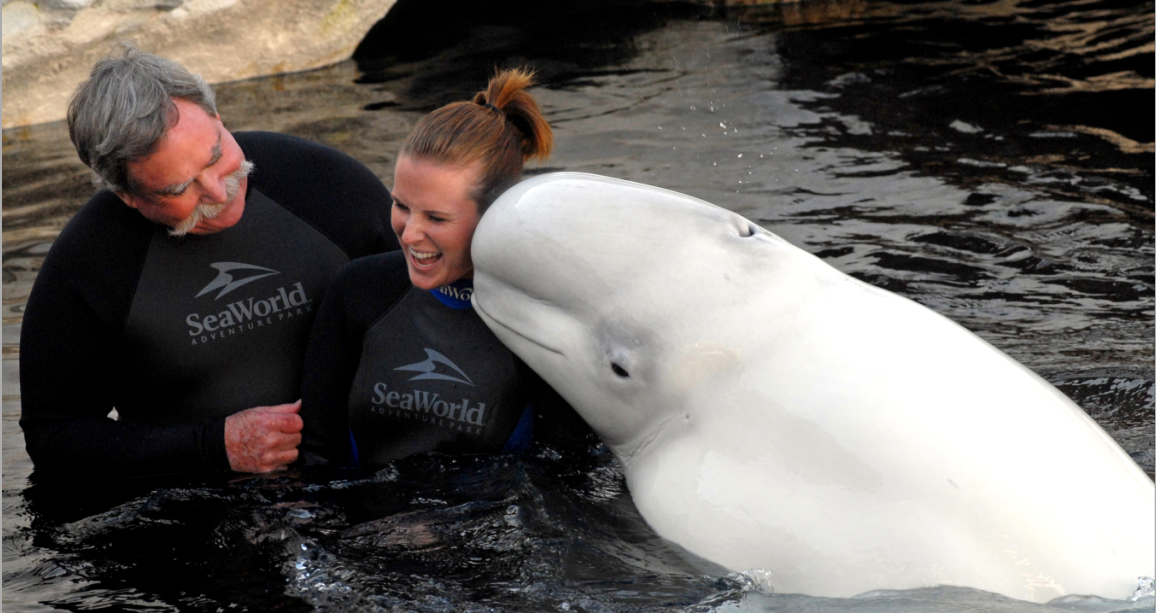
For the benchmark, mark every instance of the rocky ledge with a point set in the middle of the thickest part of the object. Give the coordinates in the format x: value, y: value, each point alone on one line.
x: 49, y: 46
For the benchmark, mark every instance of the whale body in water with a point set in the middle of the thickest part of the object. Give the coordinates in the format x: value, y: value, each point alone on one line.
x: 771, y: 412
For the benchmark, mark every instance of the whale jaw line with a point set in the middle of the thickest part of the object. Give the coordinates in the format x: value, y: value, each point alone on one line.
x: 489, y: 318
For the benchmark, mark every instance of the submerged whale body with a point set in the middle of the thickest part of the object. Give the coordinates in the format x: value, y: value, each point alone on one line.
x: 772, y: 412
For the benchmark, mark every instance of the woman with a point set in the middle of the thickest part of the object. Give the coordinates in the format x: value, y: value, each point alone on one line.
x: 398, y: 362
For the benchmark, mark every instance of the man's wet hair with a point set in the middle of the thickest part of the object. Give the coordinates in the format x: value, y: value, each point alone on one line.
x: 124, y: 109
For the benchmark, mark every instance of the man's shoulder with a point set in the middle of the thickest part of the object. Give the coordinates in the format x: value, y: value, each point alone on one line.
x: 102, y: 228
x: 326, y: 188
x: 259, y: 142
x: 95, y: 261
x: 284, y: 157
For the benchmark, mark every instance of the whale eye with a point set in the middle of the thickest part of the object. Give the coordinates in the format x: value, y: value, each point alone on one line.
x: 620, y: 371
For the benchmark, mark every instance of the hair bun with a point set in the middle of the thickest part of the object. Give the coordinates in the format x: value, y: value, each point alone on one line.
x: 499, y: 144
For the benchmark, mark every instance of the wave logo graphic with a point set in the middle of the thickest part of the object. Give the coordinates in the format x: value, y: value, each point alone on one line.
x: 427, y: 368
x: 226, y: 282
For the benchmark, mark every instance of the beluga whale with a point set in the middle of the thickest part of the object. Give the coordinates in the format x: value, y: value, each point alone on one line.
x: 770, y: 412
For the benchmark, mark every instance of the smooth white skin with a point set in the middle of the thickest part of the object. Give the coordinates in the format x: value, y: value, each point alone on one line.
x: 781, y: 415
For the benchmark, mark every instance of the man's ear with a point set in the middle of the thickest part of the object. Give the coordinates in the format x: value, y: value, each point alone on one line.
x: 135, y: 202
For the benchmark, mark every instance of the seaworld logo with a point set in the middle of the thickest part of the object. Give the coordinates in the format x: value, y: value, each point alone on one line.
x: 418, y: 402
x: 225, y: 279
x: 428, y: 367
x: 248, y: 313
x: 251, y: 311
x: 422, y: 402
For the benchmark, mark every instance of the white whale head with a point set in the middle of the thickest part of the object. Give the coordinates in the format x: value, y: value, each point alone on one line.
x: 613, y: 310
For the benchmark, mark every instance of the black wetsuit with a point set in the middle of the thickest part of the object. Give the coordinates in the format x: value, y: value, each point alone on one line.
x: 393, y: 370
x: 179, y: 333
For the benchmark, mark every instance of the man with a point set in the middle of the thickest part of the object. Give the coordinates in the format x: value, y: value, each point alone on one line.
x: 182, y: 295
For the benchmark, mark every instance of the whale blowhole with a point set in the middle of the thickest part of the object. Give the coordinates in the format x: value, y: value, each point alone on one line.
x: 619, y: 370
x: 747, y: 229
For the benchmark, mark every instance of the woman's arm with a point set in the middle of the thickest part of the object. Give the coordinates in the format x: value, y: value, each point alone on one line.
x: 330, y: 365
x: 363, y: 292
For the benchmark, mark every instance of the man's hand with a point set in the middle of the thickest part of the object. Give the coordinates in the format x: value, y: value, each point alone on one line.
x: 263, y: 439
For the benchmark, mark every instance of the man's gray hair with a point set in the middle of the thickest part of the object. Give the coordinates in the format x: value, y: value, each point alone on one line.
x: 124, y: 109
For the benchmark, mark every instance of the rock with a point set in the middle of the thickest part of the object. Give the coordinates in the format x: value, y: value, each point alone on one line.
x: 49, y: 47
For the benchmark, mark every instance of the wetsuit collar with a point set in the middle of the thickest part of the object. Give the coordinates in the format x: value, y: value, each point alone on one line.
x: 456, y: 295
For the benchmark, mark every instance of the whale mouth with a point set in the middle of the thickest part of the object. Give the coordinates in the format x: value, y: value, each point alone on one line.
x: 488, y: 316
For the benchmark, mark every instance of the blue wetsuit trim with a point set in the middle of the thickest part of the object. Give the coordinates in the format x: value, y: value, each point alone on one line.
x: 354, y: 458
x: 523, y: 433
x: 456, y: 295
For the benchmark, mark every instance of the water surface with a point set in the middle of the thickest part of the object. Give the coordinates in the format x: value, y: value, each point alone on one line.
x: 990, y: 160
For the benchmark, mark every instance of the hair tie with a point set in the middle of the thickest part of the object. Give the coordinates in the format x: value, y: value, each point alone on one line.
x: 492, y: 107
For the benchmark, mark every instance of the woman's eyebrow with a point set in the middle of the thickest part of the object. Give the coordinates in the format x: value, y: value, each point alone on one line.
x: 426, y: 212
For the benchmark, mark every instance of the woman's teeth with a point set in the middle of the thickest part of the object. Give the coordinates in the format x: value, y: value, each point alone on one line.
x: 423, y: 258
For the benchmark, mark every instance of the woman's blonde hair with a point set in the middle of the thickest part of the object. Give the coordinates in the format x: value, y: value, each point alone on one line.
x: 499, y: 130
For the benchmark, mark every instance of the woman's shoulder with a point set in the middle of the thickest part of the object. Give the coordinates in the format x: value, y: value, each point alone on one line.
x: 380, y: 279
x: 388, y: 265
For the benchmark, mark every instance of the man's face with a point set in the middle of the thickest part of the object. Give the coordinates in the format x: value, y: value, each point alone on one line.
x: 191, y: 166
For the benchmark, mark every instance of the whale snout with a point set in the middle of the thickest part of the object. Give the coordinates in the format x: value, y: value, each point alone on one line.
x: 521, y: 332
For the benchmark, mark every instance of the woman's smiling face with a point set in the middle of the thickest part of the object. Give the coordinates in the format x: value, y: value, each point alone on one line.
x: 434, y: 216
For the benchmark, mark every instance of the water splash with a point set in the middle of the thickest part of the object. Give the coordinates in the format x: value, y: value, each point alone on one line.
x: 1146, y: 589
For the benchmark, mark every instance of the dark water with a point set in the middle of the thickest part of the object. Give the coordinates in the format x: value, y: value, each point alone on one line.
x: 991, y: 160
